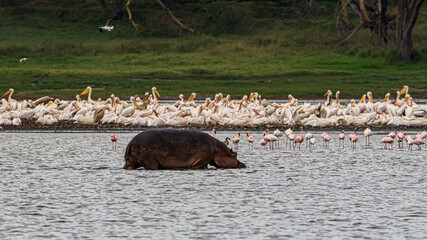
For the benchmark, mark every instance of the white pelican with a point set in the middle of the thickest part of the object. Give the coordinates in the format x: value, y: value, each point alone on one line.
x: 155, y: 94
x: 9, y: 99
x: 88, y: 91
x: 328, y: 95
x: 405, y: 90
x: 129, y: 111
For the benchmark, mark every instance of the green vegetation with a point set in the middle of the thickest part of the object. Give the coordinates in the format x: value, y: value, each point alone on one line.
x: 242, y: 47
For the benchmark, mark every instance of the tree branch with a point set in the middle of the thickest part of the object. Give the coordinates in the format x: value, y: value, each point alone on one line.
x: 351, y: 34
x: 130, y: 17
x: 173, y: 16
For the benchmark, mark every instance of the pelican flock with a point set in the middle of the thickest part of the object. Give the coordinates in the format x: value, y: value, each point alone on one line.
x: 249, y: 111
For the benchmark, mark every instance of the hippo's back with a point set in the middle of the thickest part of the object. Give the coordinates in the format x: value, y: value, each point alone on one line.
x: 173, y: 140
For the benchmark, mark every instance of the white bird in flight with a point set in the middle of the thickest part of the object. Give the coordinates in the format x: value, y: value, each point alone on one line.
x: 107, y: 26
x: 22, y: 60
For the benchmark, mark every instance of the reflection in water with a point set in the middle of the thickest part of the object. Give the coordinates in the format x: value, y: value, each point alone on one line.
x: 71, y: 185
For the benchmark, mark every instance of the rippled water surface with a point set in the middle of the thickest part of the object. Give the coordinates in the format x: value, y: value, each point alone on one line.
x: 71, y: 185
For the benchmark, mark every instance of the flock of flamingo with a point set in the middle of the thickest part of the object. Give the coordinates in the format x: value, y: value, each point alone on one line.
x: 292, y: 140
x: 249, y: 111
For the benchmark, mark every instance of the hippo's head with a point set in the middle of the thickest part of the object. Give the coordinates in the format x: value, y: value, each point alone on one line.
x: 226, y: 158
x: 129, y: 165
x: 131, y: 162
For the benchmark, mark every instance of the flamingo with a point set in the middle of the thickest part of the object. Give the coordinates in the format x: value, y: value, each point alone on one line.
x: 227, y: 141
x: 291, y: 138
x: 410, y: 142
x: 399, y: 137
x: 299, y: 140
x: 236, y: 141
x: 368, y: 134
x: 387, y: 140
x: 392, y: 135
x: 263, y: 142
x: 354, y: 140
x: 418, y: 141
x: 424, y: 136
x: 326, y: 139
x: 271, y: 139
x: 114, y: 140
x: 214, y: 132
x: 277, y: 133
x: 308, y: 136
x: 250, y: 140
x: 287, y: 133
x: 312, y: 141
x: 341, y: 137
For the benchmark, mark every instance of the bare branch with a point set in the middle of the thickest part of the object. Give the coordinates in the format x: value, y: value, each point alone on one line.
x: 173, y: 16
x: 351, y: 34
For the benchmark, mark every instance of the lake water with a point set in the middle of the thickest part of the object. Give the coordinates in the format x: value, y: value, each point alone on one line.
x: 72, y: 185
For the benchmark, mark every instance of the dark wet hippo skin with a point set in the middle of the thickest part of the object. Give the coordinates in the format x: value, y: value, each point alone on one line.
x: 178, y: 149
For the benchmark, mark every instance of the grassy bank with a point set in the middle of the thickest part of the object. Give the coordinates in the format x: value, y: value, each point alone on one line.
x: 275, y: 56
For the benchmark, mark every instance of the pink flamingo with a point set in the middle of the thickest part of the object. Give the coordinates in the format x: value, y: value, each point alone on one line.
x: 418, y: 141
x: 250, y: 140
x: 114, y: 140
x: 399, y: 137
x: 213, y: 132
x: 287, y: 133
x: 354, y: 140
x: 350, y: 136
x: 263, y: 142
x: 271, y: 139
x: 410, y: 142
x: 236, y: 141
x: 291, y: 138
x: 299, y: 140
x: 424, y: 137
x: 387, y: 140
x: 368, y: 134
x: 326, y: 139
x: 312, y: 142
x: 392, y: 135
x: 341, y: 137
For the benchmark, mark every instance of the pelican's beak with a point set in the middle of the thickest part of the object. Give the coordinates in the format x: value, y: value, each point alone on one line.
x: 403, y: 90
x: 56, y: 101
x: 327, y: 93
x: 155, y: 92
x: 193, y: 95
x: 145, y: 98
x: 78, y: 97
x: 134, y: 103
x: 7, y: 93
x: 362, y: 99
x: 301, y: 111
x: 50, y: 103
x: 86, y: 91
x: 253, y: 96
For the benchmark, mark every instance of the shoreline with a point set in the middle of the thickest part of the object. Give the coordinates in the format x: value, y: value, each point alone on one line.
x: 70, y: 126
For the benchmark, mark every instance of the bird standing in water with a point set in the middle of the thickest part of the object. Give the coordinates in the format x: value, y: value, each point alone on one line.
x: 114, y: 140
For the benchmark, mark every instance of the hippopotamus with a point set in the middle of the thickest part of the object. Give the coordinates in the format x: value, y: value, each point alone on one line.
x: 178, y: 149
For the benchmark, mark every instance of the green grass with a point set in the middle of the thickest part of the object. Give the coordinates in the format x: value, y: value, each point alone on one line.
x: 279, y: 56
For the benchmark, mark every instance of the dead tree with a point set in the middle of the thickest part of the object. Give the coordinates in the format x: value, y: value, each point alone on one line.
x: 407, y: 14
x: 371, y: 13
